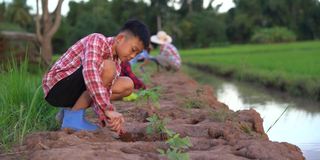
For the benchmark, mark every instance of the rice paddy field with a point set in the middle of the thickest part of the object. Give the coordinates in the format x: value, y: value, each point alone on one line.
x: 289, y: 67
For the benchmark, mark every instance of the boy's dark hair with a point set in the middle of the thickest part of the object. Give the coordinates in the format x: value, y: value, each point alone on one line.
x: 139, y: 29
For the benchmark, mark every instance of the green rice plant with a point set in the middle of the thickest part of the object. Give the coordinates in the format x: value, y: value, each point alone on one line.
x: 23, y: 108
x: 289, y: 67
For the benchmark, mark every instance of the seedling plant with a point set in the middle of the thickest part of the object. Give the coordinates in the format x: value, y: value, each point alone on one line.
x: 177, y: 145
x: 150, y: 97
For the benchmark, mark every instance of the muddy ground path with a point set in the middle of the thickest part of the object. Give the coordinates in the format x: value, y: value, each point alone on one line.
x: 216, y: 133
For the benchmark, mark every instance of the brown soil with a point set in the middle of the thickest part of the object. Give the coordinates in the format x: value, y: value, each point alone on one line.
x: 215, y: 132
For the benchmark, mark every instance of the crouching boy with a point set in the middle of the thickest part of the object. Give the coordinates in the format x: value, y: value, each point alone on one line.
x: 88, y: 75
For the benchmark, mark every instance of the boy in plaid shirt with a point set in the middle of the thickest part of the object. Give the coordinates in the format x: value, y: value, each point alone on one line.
x: 88, y: 74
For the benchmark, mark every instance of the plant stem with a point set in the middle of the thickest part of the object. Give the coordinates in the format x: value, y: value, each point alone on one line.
x: 32, y: 104
x: 278, y: 118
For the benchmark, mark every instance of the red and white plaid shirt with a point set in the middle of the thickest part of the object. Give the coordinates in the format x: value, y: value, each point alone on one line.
x: 88, y: 52
x: 171, y: 52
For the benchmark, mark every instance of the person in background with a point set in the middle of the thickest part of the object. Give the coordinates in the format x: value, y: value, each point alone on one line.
x: 144, y: 58
x: 169, y: 57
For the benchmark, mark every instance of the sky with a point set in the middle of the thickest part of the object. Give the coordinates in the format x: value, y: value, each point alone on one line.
x: 226, y: 5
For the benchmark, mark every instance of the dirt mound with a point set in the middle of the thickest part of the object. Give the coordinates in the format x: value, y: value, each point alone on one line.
x: 215, y: 132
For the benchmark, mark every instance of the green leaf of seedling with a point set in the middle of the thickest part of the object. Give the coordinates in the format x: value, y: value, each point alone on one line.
x: 183, y: 156
x: 175, y: 154
x: 176, y: 142
x: 152, y: 119
x: 161, y: 151
x: 156, y: 89
x: 169, y: 132
x: 149, y: 130
x: 155, y: 124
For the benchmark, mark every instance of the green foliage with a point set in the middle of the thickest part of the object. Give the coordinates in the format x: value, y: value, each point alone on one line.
x: 240, y: 27
x: 127, y: 9
x: 176, y: 147
x: 10, y: 27
x: 191, y: 25
x: 202, y: 29
x: 150, y: 96
x: 24, y: 109
x: 220, y: 115
x: 249, y: 15
x: 60, y: 43
x: 156, y: 125
x: 18, y: 12
x: 2, y: 11
x: 273, y: 35
x: 193, y: 103
x: 174, y: 154
x: 80, y: 21
x: 176, y: 144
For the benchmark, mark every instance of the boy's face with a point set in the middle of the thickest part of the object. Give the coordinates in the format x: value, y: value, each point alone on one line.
x: 127, y: 46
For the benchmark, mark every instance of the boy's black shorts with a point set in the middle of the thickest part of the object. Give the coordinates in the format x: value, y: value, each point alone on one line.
x: 66, y: 92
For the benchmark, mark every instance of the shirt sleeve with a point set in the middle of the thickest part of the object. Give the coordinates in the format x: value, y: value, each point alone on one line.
x: 91, y: 62
x: 126, y: 71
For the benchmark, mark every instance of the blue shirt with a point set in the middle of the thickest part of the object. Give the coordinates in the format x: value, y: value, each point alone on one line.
x: 142, y: 55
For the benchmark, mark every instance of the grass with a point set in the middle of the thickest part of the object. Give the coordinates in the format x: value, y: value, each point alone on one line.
x: 221, y: 115
x: 23, y: 108
x: 193, y: 104
x: 290, y: 67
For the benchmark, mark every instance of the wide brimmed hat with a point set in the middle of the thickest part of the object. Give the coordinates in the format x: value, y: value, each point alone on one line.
x: 161, y: 38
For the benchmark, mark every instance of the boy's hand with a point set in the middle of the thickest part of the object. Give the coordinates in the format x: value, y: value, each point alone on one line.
x: 115, y: 121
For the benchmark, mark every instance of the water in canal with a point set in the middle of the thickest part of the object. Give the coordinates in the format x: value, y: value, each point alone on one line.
x: 299, y: 125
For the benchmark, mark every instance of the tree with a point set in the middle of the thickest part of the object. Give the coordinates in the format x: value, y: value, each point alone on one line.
x: 81, y: 22
x: 300, y: 16
x: 201, y: 29
x: 2, y: 11
x: 160, y: 8
x: 189, y: 6
x: 18, y: 12
x: 46, y: 26
x: 127, y: 9
x: 297, y: 15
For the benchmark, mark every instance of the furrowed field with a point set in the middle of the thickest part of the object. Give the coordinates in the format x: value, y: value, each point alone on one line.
x: 290, y: 67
